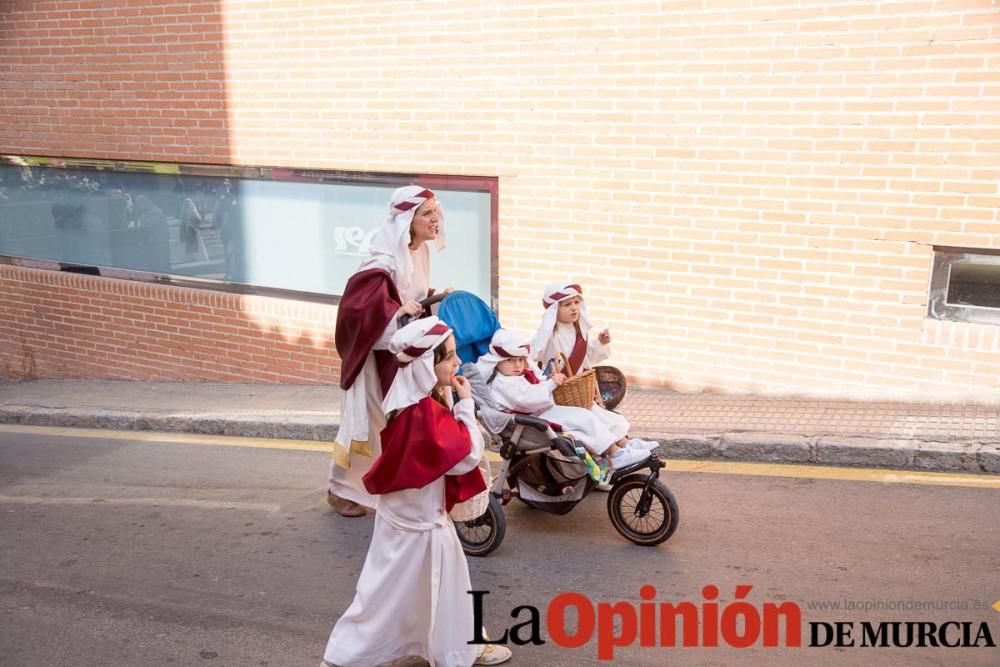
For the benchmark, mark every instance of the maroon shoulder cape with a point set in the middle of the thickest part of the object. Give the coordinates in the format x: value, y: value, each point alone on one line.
x: 579, y: 354
x: 369, y: 303
x: 420, y: 444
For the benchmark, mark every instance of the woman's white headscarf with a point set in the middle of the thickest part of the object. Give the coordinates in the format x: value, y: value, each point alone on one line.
x: 391, y: 247
x: 413, y: 346
x: 505, y: 344
x: 555, y: 293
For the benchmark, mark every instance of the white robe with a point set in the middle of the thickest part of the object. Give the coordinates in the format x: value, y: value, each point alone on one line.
x: 420, y: 281
x: 412, y: 597
x: 564, y: 338
x: 346, y: 482
x: 596, y: 428
x: 366, y: 395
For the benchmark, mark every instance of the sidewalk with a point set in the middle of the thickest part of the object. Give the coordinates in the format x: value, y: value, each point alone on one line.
x: 920, y: 436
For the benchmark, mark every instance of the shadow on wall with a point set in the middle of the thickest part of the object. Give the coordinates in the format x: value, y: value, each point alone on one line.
x: 124, y: 81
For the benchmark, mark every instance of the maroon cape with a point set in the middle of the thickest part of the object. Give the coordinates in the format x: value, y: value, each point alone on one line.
x: 420, y: 444
x: 579, y: 352
x: 369, y: 303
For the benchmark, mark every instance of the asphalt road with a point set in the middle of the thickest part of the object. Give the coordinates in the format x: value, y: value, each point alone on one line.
x: 118, y: 551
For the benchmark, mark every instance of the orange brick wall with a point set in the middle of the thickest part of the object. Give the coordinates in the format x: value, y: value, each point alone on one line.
x: 749, y: 190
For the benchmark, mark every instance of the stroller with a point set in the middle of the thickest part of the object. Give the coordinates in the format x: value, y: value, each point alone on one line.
x: 540, y: 467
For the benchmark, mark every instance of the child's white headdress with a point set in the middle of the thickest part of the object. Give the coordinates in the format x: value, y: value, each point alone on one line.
x: 391, y: 246
x: 555, y: 293
x: 505, y: 344
x: 414, y: 346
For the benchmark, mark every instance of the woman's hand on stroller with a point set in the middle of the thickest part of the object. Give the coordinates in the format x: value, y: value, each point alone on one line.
x: 462, y: 387
x: 409, y: 309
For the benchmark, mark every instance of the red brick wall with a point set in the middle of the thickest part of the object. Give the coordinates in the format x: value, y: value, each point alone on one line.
x: 67, y: 325
x: 132, y: 79
x: 752, y: 189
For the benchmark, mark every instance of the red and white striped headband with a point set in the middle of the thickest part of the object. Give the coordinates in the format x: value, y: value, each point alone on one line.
x: 520, y: 351
x: 428, y: 341
x: 559, y: 295
x: 415, y: 200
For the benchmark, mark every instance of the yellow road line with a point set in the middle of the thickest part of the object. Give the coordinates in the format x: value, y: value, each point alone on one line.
x: 840, y: 474
x: 673, y: 465
x: 181, y: 438
x: 150, y: 502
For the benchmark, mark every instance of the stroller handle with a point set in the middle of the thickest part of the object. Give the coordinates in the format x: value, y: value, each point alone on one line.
x: 533, y: 422
x: 429, y: 301
x: 558, y: 443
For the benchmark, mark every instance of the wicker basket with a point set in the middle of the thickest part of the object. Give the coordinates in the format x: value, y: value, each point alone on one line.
x: 578, y: 391
x: 475, y: 507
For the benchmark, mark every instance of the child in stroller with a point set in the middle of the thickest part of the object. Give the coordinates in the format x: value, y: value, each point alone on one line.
x: 544, y: 469
x: 516, y: 388
x: 565, y: 333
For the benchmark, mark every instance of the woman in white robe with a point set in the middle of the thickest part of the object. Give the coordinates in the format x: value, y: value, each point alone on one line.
x: 400, y: 250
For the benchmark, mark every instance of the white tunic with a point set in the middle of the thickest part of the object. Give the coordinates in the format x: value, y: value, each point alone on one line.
x: 346, y: 482
x: 366, y: 396
x: 420, y: 281
x: 596, y: 428
x: 564, y: 338
x: 412, y: 597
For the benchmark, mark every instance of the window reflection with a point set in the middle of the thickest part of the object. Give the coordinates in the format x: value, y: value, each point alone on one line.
x: 145, y: 222
x: 974, y: 284
x: 297, y: 234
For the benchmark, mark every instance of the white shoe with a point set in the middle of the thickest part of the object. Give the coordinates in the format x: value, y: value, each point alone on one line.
x: 643, y: 445
x: 628, y: 456
x: 603, y: 486
x: 493, y: 654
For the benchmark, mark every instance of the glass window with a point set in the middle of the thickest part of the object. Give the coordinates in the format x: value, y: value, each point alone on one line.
x: 965, y: 285
x: 974, y: 284
x: 274, y: 229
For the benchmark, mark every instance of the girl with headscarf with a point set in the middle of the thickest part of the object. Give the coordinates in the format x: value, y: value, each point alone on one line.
x: 565, y: 329
x: 387, y: 286
x: 517, y: 387
x: 412, y: 596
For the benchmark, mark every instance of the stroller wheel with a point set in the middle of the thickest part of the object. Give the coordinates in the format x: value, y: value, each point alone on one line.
x: 482, y: 536
x: 645, y: 514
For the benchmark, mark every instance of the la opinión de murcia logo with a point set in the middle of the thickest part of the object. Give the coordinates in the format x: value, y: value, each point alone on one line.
x: 709, y: 624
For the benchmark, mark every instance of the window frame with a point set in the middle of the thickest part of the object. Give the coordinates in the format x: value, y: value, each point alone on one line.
x: 488, y: 184
x: 938, y: 307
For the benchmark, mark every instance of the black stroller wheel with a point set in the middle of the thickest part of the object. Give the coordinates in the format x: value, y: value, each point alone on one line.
x: 645, y: 515
x: 480, y: 537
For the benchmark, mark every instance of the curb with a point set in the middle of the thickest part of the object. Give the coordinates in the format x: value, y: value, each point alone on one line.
x: 755, y: 447
x: 289, y: 426
x: 841, y: 451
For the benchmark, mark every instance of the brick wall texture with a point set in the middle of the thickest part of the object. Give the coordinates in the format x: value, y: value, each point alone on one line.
x: 748, y: 190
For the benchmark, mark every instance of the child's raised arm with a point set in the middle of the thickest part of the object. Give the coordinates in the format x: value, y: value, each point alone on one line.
x: 465, y: 413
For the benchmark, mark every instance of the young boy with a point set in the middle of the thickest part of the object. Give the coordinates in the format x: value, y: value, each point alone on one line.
x: 517, y: 388
x: 565, y: 330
